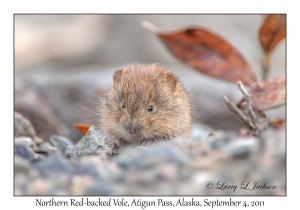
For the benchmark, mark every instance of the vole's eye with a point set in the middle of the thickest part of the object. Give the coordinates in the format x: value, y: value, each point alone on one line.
x: 123, y: 106
x: 150, y: 109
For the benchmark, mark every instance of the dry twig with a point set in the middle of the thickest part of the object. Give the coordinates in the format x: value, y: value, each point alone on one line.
x: 232, y: 107
x: 251, y: 119
x: 247, y: 97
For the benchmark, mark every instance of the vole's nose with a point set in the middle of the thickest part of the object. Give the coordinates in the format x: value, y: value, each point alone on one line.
x: 131, y: 130
x: 132, y: 127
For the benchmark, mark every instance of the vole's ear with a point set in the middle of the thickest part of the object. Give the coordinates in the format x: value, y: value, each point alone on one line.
x: 117, y: 76
x: 155, y: 66
x: 172, y: 81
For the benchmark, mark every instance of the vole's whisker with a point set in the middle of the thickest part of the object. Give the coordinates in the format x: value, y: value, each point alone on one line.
x: 91, y: 102
x: 86, y: 121
x: 89, y: 110
x: 94, y: 115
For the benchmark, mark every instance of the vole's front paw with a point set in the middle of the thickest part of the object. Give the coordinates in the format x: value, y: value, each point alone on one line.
x: 118, y: 144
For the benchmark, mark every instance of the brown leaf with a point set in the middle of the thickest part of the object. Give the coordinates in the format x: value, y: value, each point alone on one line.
x: 277, y: 123
x: 268, y: 94
x: 272, y: 31
x: 207, y: 53
x: 82, y: 128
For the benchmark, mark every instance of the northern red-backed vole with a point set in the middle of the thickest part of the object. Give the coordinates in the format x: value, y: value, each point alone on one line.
x: 145, y: 103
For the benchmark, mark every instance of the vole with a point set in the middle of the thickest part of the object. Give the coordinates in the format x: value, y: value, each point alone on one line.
x: 145, y: 103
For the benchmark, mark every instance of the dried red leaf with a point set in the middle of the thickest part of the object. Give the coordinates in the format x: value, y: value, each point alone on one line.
x: 82, y: 128
x: 207, y: 53
x: 277, y: 123
x: 272, y: 31
x: 268, y: 94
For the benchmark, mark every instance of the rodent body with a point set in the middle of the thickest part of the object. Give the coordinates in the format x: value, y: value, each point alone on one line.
x: 145, y: 103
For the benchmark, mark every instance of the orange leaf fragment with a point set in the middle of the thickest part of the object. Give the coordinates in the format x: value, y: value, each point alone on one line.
x: 272, y: 31
x: 277, y: 123
x: 268, y: 94
x: 82, y: 128
x: 207, y: 53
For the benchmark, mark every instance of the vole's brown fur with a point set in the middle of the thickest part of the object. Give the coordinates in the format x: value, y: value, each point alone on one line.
x: 126, y: 115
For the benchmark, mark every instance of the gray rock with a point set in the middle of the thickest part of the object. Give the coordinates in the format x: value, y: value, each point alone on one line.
x: 132, y: 159
x: 237, y: 147
x: 166, y: 172
x: 26, y: 152
x: 60, y: 142
x: 100, y: 188
x: 93, y: 143
x: 273, y: 145
x: 220, y: 139
x: 21, y: 165
x: 25, y: 140
x: 93, y: 166
x: 31, y: 103
x: 242, y: 147
x: 45, y: 148
x: 23, y: 126
x: 53, y: 164
x: 200, y: 132
x: 68, y: 151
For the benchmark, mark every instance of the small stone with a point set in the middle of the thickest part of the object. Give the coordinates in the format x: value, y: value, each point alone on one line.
x: 24, y: 151
x: 40, y: 186
x: 45, y: 148
x: 99, y: 188
x: 115, y: 171
x: 68, y: 151
x: 23, y: 126
x: 200, y: 178
x: 25, y: 140
x: 200, y: 132
x: 166, y: 172
x: 242, y: 148
x: 93, y: 166
x: 38, y: 140
x: 60, y: 142
x: 21, y: 165
x: 220, y: 139
x: 131, y: 159
x: 235, y: 146
x: 21, y: 183
x: 79, y: 183
x: 54, y: 163
x: 142, y: 178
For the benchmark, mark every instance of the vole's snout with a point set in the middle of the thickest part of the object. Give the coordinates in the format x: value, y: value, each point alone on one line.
x: 131, y: 128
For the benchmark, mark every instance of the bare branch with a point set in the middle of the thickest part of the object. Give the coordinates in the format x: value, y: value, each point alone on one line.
x: 247, y: 97
x: 232, y: 107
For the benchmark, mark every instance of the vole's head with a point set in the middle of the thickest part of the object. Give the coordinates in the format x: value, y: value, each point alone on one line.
x: 144, y: 102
